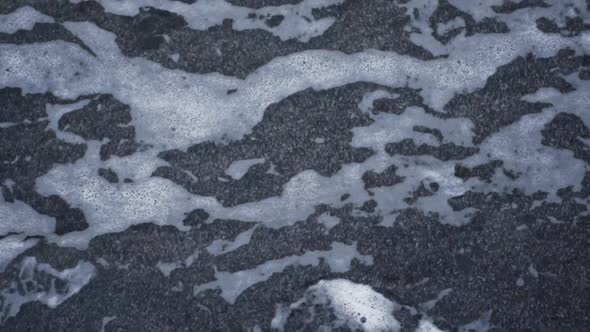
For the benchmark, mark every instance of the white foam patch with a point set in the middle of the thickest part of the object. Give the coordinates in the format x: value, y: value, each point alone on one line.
x: 517, y: 145
x: 352, y: 302
x: 233, y: 284
x: 558, y: 11
x: 389, y: 128
x: 175, y: 57
x: 167, y: 267
x: 105, y: 321
x: 366, y: 104
x: 298, y: 21
x: 482, y: 324
x: 191, y: 108
x: 478, y: 9
x: 426, y: 325
x: 421, y: 33
x: 29, y: 289
x: 239, y: 168
x: 55, y: 112
x: 357, y: 306
x: 219, y: 247
x: 24, y: 18
x: 416, y: 171
x: 479, y: 325
x: 520, y: 22
x: 114, y: 207
x: 328, y: 221
x: 455, y: 23
x: 429, y: 305
x: 175, y: 109
x: 12, y: 246
x: 19, y: 217
x: 540, y: 168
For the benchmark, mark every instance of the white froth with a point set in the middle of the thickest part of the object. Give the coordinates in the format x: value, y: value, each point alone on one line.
x: 420, y: 170
x: 357, y: 306
x: 389, y: 128
x: 233, y: 284
x: 533, y: 271
x: 298, y: 21
x: 352, y: 302
x: 455, y: 23
x: 191, y: 108
x: 478, y: 9
x: 366, y: 104
x: 24, y: 18
x: 429, y: 305
x: 539, y: 167
x: 421, y: 34
x: 219, y: 247
x: 12, y: 246
x: 328, y: 221
x: 482, y: 324
x: 55, y: 112
x: 557, y: 11
x: 426, y: 325
x: 114, y: 207
x: 75, y: 278
x: 175, y: 109
x: 19, y: 217
x: 239, y: 168
x: 105, y: 321
x: 167, y: 267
